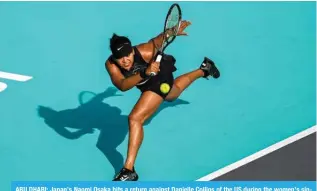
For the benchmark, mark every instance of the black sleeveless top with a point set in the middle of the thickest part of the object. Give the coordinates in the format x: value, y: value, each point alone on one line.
x: 139, y: 64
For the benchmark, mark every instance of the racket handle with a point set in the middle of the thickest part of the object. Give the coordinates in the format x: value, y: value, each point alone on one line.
x: 158, y: 58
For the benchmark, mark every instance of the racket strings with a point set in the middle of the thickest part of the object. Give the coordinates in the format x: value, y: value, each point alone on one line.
x: 173, y: 23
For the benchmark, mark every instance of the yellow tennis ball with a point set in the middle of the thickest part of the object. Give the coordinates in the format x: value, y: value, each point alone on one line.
x: 165, y: 88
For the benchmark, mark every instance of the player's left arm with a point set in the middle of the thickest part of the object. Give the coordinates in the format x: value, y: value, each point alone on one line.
x: 149, y: 49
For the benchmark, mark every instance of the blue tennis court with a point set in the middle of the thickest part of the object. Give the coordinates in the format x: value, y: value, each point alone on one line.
x: 69, y: 123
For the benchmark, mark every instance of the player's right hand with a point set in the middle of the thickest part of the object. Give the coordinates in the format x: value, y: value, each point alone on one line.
x: 153, y: 67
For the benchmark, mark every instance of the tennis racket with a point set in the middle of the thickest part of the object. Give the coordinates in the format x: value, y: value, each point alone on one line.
x: 171, y: 25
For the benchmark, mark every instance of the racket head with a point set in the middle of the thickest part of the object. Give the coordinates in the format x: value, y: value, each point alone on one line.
x: 172, y: 22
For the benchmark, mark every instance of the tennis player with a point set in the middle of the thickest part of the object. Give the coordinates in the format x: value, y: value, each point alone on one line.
x: 130, y: 66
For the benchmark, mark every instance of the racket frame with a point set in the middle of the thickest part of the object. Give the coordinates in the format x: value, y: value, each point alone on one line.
x: 162, y: 48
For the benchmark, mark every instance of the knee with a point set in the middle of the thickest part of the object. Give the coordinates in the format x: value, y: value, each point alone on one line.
x: 135, y: 118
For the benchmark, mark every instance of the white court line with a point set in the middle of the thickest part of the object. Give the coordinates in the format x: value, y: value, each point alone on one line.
x: 16, y: 77
x: 3, y: 86
x: 259, y: 154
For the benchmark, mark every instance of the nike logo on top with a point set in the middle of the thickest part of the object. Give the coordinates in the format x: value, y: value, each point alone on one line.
x: 122, y: 46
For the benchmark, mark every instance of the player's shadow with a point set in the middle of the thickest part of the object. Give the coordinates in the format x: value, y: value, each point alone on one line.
x: 96, y: 114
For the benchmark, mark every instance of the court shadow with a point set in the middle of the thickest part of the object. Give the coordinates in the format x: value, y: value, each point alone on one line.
x: 96, y: 114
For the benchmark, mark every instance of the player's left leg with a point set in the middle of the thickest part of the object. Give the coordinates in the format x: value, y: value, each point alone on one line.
x: 207, y: 68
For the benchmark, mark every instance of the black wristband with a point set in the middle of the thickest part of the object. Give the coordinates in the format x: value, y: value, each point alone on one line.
x: 143, y: 73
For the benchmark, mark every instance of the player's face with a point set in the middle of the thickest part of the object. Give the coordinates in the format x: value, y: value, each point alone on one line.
x: 127, y: 61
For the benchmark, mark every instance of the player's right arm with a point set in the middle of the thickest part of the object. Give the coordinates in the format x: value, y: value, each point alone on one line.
x: 119, y: 80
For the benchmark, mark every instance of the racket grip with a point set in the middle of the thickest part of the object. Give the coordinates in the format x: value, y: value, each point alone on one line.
x: 158, y: 58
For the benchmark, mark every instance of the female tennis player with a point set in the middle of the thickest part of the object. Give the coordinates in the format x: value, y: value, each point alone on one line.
x: 130, y: 66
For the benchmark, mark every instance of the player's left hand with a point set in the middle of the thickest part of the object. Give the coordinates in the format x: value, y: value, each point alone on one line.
x: 183, y: 25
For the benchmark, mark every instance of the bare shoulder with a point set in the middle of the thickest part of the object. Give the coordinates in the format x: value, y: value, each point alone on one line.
x: 109, y: 65
x: 147, y: 50
x: 114, y: 72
